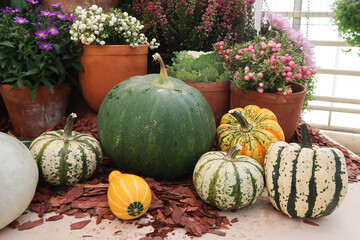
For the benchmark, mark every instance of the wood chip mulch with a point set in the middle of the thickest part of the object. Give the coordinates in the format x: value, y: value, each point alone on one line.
x: 319, y: 139
x: 174, y: 204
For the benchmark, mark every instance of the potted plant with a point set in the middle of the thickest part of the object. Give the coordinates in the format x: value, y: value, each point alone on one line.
x: 38, y: 66
x: 194, y: 25
x: 346, y: 16
x: 272, y: 71
x: 114, y: 49
x: 205, y: 72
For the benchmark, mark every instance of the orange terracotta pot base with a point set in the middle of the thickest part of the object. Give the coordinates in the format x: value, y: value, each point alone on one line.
x: 217, y: 95
x: 286, y: 108
x: 30, y: 119
x: 106, y: 66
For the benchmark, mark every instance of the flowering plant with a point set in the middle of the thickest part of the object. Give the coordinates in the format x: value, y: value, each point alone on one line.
x: 346, y: 15
x: 94, y: 26
x: 35, y: 48
x: 269, y: 62
x: 194, y: 25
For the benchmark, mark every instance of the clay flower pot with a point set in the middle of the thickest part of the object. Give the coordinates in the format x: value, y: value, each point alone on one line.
x: 30, y: 119
x: 217, y: 95
x: 106, y: 66
x: 286, y: 108
x: 66, y: 4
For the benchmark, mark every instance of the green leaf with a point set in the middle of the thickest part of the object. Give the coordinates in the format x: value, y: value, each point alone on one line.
x: 3, y: 63
x: 49, y: 86
x: 30, y: 72
x: 7, y: 44
x: 54, y: 69
x: 9, y: 80
x: 78, y: 67
x: 60, y: 68
x: 34, y: 90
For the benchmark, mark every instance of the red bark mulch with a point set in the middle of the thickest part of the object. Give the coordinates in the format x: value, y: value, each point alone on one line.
x: 174, y: 204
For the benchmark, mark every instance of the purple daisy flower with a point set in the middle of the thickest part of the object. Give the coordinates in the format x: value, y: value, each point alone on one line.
x: 59, y: 15
x: 46, y: 45
x: 37, y: 25
x: 32, y: 1
x: 42, y: 34
x: 51, y: 20
x: 56, y: 5
x: 71, y: 18
x: 21, y: 20
x: 46, y: 13
x: 17, y: 10
x: 53, y: 30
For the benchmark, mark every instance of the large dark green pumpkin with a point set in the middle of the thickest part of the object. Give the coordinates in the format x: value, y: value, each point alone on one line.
x: 156, y: 126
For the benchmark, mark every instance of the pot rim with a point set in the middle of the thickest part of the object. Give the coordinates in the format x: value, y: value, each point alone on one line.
x: 301, y: 92
x: 114, y: 50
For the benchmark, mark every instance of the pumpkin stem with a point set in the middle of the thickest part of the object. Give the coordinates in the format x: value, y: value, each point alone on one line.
x: 305, y: 136
x: 245, y: 125
x: 231, y: 154
x: 68, y: 126
x: 163, y: 80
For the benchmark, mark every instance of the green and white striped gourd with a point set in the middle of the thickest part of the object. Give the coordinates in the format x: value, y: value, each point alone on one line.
x: 305, y: 181
x: 65, y: 157
x: 227, y: 180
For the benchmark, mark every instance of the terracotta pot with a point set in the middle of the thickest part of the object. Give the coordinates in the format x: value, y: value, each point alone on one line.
x: 286, y: 108
x: 30, y: 119
x: 106, y: 66
x: 217, y: 95
x: 66, y: 4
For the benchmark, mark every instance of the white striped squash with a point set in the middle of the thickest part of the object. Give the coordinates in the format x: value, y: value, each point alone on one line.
x: 65, y: 157
x: 227, y: 180
x: 305, y: 181
x: 129, y: 196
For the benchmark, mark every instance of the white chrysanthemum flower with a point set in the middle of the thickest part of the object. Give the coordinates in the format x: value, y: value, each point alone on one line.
x: 82, y: 26
x: 94, y: 7
x: 102, y: 42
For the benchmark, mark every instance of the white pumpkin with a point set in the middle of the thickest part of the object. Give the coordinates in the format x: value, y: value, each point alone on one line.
x: 18, y: 178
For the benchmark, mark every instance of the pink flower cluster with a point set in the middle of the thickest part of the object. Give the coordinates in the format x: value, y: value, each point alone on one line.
x: 278, y: 22
x: 265, y: 65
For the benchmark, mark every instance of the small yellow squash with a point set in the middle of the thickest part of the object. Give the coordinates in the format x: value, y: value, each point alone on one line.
x: 129, y: 196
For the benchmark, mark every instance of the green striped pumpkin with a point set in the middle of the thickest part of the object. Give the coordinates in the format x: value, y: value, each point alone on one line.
x: 305, y: 181
x: 156, y: 126
x: 65, y: 157
x: 227, y: 180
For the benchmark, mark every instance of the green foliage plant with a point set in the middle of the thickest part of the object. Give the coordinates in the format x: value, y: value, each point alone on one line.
x: 197, y: 66
x: 346, y: 16
x: 36, y: 49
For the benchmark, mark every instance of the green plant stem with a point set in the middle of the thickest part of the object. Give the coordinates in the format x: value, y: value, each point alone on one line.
x: 245, y: 126
x: 305, y: 136
x: 68, y: 126
x: 163, y: 79
x: 232, y: 153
